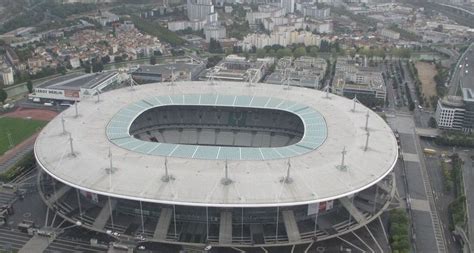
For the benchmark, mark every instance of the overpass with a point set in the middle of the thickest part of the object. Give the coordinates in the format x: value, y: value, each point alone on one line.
x: 428, y: 132
x: 462, y: 14
x: 460, y: 10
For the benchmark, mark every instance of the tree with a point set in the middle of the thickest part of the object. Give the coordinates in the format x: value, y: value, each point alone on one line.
x: 432, y: 123
x: 118, y: 58
x: 61, y: 69
x: 313, y: 51
x: 324, y: 46
x: 97, y: 67
x: 215, y: 47
x: 271, y: 53
x: 283, y: 52
x: 260, y: 53
x: 105, y: 59
x: 237, y: 50
x: 3, y: 96
x: 300, y: 51
x: 153, y: 60
x: 29, y: 86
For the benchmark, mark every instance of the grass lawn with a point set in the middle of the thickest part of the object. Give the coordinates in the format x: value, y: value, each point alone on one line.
x: 19, y: 130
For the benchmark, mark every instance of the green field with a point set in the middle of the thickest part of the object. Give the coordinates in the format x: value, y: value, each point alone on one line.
x: 18, y: 129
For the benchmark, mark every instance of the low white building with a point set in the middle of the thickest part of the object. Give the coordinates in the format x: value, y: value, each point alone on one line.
x: 107, y: 18
x: 75, y: 62
x: 284, y: 39
x: 195, y: 25
x: 75, y: 86
x: 390, y: 34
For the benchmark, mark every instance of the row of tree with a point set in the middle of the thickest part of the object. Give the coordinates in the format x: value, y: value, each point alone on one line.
x: 399, y: 231
x: 155, y: 29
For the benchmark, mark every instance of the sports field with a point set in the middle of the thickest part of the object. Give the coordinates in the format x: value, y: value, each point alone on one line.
x: 16, y: 130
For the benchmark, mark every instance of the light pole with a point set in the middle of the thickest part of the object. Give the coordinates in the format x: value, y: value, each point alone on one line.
x: 172, y: 68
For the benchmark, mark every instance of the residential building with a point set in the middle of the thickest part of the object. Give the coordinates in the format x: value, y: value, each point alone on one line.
x: 283, y: 38
x: 199, y: 9
x: 237, y: 68
x: 311, y: 10
x: 180, y: 71
x: 353, y: 80
x: 214, y: 31
x: 288, y: 5
x: 304, y: 71
x: 106, y: 18
x: 12, y: 57
x: 7, y: 76
x: 264, y: 11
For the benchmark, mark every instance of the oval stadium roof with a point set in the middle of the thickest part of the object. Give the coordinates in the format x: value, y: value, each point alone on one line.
x: 257, y: 174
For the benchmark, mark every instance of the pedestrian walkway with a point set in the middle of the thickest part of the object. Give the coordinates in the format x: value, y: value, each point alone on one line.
x: 36, y: 244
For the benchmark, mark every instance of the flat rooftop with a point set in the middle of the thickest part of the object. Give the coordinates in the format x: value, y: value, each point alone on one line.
x: 257, y: 179
x: 165, y: 68
x: 76, y: 81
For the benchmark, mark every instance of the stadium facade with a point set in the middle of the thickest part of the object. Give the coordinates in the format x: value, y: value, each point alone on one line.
x: 228, y: 165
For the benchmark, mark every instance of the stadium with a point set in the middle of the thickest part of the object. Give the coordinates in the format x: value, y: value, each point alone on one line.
x: 225, y: 164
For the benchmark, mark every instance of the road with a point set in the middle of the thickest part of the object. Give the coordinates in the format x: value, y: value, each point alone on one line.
x: 464, y: 72
x: 427, y: 236
x: 417, y: 182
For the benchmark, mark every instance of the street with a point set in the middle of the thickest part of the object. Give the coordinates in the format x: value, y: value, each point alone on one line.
x: 419, y: 178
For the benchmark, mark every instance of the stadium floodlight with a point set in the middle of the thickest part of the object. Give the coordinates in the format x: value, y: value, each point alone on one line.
x: 213, y: 72
x: 132, y: 83
x: 226, y: 180
x: 367, y: 121
x: 63, y: 123
x: 288, y: 179
x: 172, y: 68
x: 343, y: 166
x: 110, y: 158
x: 367, y: 141
x: 326, y: 88
x: 288, y: 77
x: 76, y: 110
x: 110, y: 169
x: 355, y: 101
x: 98, y: 95
x: 71, y: 146
x: 166, y: 177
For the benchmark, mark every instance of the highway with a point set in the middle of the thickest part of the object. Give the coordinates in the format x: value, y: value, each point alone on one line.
x: 464, y: 73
